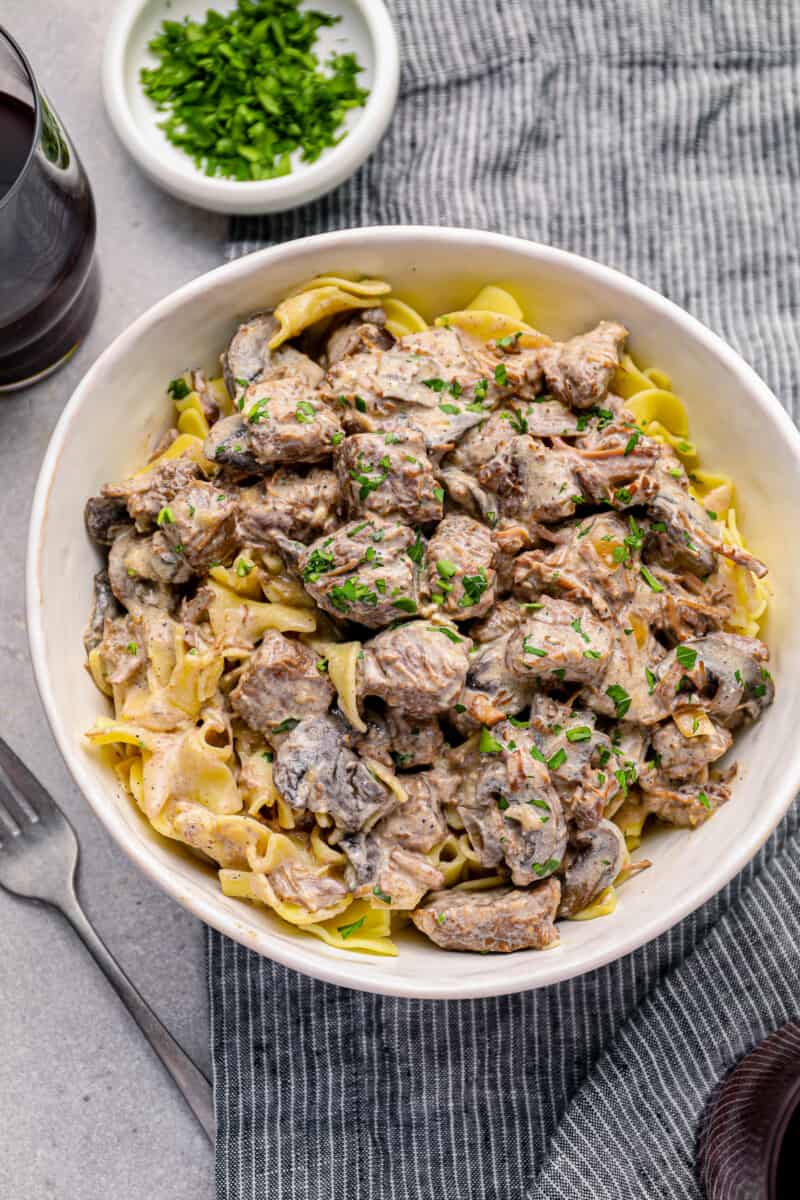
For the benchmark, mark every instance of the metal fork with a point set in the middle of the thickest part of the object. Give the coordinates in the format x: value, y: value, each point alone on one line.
x: 38, y: 857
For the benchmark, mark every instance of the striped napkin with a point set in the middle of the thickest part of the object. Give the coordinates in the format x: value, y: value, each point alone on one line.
x: 661, y: 139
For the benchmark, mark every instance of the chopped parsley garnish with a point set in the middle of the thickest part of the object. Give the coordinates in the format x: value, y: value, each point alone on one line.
x: 445, y: 568
x: 242, y: 91
x: 405, y: 604
x: 622, y: 495
x: 416, y: 550
x: 451, y: 410
x: 267, y: 755
x: 474, y: 586
x: 711, y: 514
x: 686, y: 656
x: 621, y: 699
x: 579, y: 733
x: 515, y: 420
x: 704, y: 800
x: 286, y: 726
x: 489, y: 744
x: 502, y: 803
x: 367, y: 482
x: 259, y: 411
x: 348, y: 930
x: 337, y: 438
x: 243, y: 567
x: 460, y: 708
x: 439, y: 494
x: 631, y: 443
x: 540, y: 804
x: 165, y: 516
x: 650, y: 579
x: 527, y: 648
x: 448, y: 633
x: 651, y: 681
x: 132, y: 648
x: 178, y: 388
x: 319, y: 561
x: 576, y: 625
x: 436, y: 385
x: 557, y: 760
x: 537, y: 754
x: 501, y: 374
x: 509, y: 339
x: 321, y: 664
x: 360, y: 403
x: 376, y: 891
x: 591, y: 654
x: 546, y: 868
x: 352, y: 591
x: 480, y: 390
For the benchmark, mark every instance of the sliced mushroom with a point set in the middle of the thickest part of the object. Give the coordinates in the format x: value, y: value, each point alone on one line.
x: 314, y: 771
x: 600, y: 854
x: 105, y: 608
x: 724, y: 673
x: 105, y: 517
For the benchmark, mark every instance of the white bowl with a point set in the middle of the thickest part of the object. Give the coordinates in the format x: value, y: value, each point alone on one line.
x: 364, y: 28
x: 119, y: 408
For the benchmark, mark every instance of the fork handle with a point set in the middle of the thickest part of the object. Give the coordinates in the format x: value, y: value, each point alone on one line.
x: 196, y: 1089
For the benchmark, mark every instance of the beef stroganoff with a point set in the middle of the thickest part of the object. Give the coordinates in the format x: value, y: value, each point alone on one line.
x: 423, y: 624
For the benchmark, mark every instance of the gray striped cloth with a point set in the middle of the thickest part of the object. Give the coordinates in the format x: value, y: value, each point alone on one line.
x: 661, y: 138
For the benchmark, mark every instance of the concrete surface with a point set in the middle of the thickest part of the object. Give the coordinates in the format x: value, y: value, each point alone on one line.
x: 86, y: 1111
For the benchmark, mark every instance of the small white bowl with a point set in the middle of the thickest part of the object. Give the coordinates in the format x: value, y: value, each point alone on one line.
x: 118, y: 411
x: 365, y: 29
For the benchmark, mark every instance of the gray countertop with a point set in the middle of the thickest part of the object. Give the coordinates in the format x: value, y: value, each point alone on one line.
x: 86, y: 1111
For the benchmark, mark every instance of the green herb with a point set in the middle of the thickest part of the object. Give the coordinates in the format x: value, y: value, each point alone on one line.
x: 622, y: 495
x: 460, y: 708
x: 451, y: 410
x: 416, y: 550
x: 546, y: 868
x: 405, y: 604
x: 441, y: 918
x: 489, y: 744
x: 348, y: 930
x: 659, y: 527
x: 559, y: 672
x: 369, y: 483
x: 337, y: 438
x: 704, y: 800
x: 319, y: 561
x: 540, y: 804
x: 527, y: 648
x: 650, y: 580
x: 480, y: 390
x: 376, y: 891
x: 579, y: 733
x: 286, y: 726
x: 178, y: 388
x: 360, y: 403
x: 445, y: 568
x: 576, y: 625
x: 132, y: 648
x: 259, y: 410
x: 509, y: 339
x: 686, y: 656
x: 501, y: 374
x: 676, y: 472
x: 391, y: 439
x: 502, y: 803
x: 439, y: 494
x: 268, y: 755
x: 712, y: 514
x: 448, y: 633
x: 165, y: 517
x: 557, y: 760
x: 243, y: 91
x: 651, y: 681
x: 515, y: 420
x: 243, y: 567
x: 631, y: 443
x: 436, y: 385
x: 352, y: 591
x: 591, y: 654
x: 305, y: 412
x: 622, y: 700
x: 474, y: 586
x: 537, y: 754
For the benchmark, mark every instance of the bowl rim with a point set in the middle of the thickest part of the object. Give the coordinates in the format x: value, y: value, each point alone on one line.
x: 335, y: 165
x: 302, y: 957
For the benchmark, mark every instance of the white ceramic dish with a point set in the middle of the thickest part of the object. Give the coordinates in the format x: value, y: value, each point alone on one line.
x: 364, y: 28
x: 119, y: 408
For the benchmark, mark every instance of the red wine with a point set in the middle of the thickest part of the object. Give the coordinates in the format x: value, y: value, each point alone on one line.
x: 48, y: 280
x: 17, y: 130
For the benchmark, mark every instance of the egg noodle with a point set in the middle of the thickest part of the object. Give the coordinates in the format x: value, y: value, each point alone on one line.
x: 205, y: 781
